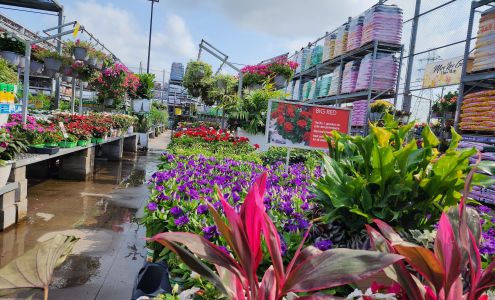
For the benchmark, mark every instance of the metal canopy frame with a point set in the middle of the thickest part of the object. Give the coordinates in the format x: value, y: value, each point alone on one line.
x: 204, y: 45
x: 48, y: 5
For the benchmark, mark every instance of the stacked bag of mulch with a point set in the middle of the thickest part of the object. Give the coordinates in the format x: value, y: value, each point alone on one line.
x: 341, y: 40
x: 478, y: 111
x: 385, y: 76
x: 355, y: 33
x: 300, y: 57
x: 325, y: 83
x: 478, y: 193
x: 307, y: 63
x: 334, y: 86
x: 296, y: 92
x: 382, y: 23
x: 349, y: 77
x: 484, y: 55
x: 316, y: 55
x: 359, y: 110
x: 329, y: 47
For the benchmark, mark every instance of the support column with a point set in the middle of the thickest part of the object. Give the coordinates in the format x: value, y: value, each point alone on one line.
x: 131, y: 143
x: 79, y: 165
x: 113, y: 150
x: 15, y: 194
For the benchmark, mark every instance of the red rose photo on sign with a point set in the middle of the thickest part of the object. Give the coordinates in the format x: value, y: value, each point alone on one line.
x: 304, y: 126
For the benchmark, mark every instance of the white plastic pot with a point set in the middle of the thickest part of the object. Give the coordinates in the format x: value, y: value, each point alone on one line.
x: 5, y: 173
x: 22, y: 61
x: 137, y: 105
x: 67, y: 79
x: 130, y: 130
x: 80, y: 53
x: 99, y: 64
x: 11, y: 57
x: 108, y: 102
x: 146, y: 105
x: 92, y: 61
x: 85, y: 84
x: 52, y: 64
x: 143, y: 139
x: 3, y: 119
x: 35, y: 67
x: 279, y: 81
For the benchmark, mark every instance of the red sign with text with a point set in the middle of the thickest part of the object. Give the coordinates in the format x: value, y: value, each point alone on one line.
x: 304, y: 126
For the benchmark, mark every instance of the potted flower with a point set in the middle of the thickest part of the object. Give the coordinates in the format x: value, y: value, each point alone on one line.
x: 81, y: 49
x: 10, y: 146
x: 69, y: 142
x: 282, y: 72
x: 53, y: 138
x: 143, y: 93
x: 100, y: 58
x: 435, y: 109
x: 12, y: 49
x: 52, y: 60
x: 111, y: 85
x: 36, y: 66
x: 378, y: 109
x: 67, y: 74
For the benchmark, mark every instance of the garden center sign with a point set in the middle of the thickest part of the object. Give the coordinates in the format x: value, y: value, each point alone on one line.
x: 302, y: 125
x: 443, y: 73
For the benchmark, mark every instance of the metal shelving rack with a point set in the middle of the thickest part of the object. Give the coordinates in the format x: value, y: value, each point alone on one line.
x: 327, y: 67
x: 474, y: 82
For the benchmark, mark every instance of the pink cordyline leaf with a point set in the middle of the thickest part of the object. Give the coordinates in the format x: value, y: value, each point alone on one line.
x: 486, y: 281
x: 296, y: 257
x: 336, y: 267
x: 475, y: 269
x: 268, y: 286
x: 397, y: 272
x: 455, y: 292
x: 273, y: 244
x: 447, y: 251
x: 388, y: 232
x: 232, y: 284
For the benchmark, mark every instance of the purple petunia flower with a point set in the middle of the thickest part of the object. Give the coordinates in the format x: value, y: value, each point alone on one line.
x: 159, y: 188
x: 483, y: 209
x: 202, y: 209
x: 181, y: 221
x: 176, y: 211
x: 210, y: 232
x: 152, y: 206
x: 323, y: 245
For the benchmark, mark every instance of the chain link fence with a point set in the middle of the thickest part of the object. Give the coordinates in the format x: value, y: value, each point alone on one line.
x: 441, y: 34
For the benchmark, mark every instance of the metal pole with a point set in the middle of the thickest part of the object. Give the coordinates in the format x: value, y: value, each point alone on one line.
x: 149, y: 41
x: 239, y: 88
x: 464, y: 67
x: 59, y: 50
x: 80, y: 98
x: 73, y: 96
x: 406, y: 105
x: 163, y: 86
x: 397, y: 84
x: 25, y: 94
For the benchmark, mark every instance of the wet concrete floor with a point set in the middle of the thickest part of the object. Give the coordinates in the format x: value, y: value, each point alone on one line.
x: 102, y: 212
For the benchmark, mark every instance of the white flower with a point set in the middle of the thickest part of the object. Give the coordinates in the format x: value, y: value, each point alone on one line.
x: 175, y: 289
x: 195, y: 275
x: 357, y: 294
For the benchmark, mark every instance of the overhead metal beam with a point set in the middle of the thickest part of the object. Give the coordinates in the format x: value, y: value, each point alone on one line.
x: 48, y: 5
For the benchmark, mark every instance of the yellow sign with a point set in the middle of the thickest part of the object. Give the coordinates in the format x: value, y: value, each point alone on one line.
x: 76, y: 29
x: 443, y: 73
x: 178, y: 111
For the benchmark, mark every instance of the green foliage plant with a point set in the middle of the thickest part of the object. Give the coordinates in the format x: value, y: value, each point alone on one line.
x: 384, y: 176
x: 146, y: 85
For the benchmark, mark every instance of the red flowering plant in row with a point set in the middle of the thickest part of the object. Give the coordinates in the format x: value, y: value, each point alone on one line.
x: 292, y: 122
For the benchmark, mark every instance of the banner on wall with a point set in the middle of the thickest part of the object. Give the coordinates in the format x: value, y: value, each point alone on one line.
x: 303, y: 126
x: 443, y: 73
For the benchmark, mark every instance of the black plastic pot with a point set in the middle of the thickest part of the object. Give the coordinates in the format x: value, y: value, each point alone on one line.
x: 152, y: 280
x: 50, y: 151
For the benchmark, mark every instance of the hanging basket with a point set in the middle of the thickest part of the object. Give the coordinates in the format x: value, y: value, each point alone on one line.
x: 11, y: 57
x: 52, y: 64
x: 67, y: 79
x: 35, y: 67
x: 375, y: 116
x: 108, y: 102
x: 137, y: 105
x: 279, y: 81
x: 80, y: 53
x: 92, y: 62
x: 51, y: 73
x: 99, y: 64
x: 22, y: 61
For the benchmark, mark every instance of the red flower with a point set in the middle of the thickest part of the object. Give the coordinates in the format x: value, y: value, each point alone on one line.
x: 256, y: 146
x: 281, y: 119
x: 288, y: 126
x: 306, y: 136
x: 302, y: 123
x: 306, y: 114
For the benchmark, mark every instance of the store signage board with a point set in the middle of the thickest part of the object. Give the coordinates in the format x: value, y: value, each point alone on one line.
x: 298, y: 125
x: 443, y: 73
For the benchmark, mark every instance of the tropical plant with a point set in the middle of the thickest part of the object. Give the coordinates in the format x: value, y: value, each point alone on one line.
x: 310, y: 269
x: 453, y: 270
x: 10, y: 145
x: 383, y: 176
x: 158, y: 116
x: 37, y: 53
x: 146, y: 85
x: 34, y: 268
x: 381, y: 106
x: 51, y: 54
x: 197, y: 79
x: 250, y: 112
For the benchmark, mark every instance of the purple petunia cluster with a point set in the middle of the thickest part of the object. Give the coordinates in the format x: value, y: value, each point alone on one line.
x: 184, y: 184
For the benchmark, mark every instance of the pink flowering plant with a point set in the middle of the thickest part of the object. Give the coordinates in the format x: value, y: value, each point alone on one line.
x: 33, y: 131
x: 114, y: 82
x: 258, y: 74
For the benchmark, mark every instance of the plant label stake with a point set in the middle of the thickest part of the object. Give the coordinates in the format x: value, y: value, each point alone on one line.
x: 287, y: 160
x: 62, y: 128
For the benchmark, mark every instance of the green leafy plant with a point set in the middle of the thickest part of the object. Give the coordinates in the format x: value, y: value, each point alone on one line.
x: 158, y: 116
x: 383, y: 176
x: 453, y: 270
x: 250, y: 112
x: 7, y: 73
x: 51, y: 54
x: 381, y: 106
x: 37, y: 53
x: 9, y: 42
x: 197, y: 79
x: 146, y: 85
x: 310, y: 269
x: 10, y: 145
x: 143, y: 123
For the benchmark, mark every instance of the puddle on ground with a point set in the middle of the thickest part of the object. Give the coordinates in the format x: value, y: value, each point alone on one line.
x: 98, y: 211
